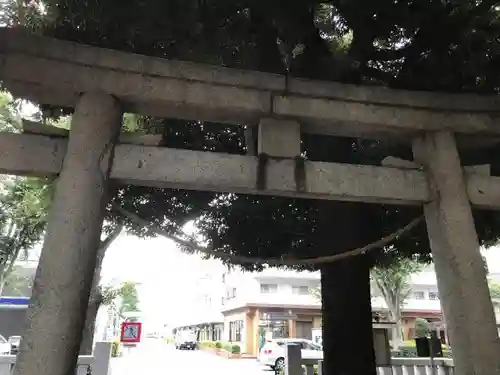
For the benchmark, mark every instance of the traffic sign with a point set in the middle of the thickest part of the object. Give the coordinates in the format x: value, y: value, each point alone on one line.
x: 131, y: 332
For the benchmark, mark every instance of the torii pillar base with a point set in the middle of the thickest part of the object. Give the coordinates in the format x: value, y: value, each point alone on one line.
x: 63, y: 280
x: 460, y: 269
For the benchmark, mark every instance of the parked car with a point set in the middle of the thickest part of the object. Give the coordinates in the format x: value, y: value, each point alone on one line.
x: 4, y: 346
x: 15, y: 342
x: 186, y: 340
x: 272, y: 353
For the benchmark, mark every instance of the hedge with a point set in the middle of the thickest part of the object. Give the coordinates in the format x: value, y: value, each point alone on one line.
x: 409, y: 349
x: 231, y: 348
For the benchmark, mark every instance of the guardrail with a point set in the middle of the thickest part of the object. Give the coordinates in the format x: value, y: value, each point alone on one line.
x: 295, y: 365
x: 96, y: 364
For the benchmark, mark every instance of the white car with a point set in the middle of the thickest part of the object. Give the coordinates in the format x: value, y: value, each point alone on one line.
x: 272, y: 353
x: 4, y: 346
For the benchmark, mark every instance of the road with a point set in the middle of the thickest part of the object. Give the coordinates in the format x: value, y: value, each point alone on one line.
x: 154, y: 357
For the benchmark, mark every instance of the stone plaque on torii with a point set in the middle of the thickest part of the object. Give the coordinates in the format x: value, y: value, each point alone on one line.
x: 101, y: 84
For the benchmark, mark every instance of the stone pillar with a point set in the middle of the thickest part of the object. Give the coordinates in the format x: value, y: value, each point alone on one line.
x: 293, y: 360
x: 101, y: 363
x: 292, y: 328
x: 63, y: 280
x: 459, y: 266
x: 250, y: 333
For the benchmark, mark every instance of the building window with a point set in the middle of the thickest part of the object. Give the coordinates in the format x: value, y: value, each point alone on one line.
x: 231, y: 293
x: 235, y: 329
x: 418, y: 295
x: 434, y: 296
x: 268, y: 288
x: 302, y: 290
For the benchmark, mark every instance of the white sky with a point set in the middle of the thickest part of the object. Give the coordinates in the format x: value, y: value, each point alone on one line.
x: 167, y: 276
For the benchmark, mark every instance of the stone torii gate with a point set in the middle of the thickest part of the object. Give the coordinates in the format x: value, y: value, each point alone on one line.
x: 100, y: 84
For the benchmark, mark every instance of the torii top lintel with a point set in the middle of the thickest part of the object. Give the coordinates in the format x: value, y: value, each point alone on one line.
x: 56, y: 72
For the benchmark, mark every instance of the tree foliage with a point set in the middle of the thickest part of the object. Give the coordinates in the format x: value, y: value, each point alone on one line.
x: 23, y: 206
x: 430, y: 45
x: 422, y: 328
x: 357, y: 41
x: 19, y: 282
x: 495, y: 293
x: 124, y: 297
x: 22, y: 222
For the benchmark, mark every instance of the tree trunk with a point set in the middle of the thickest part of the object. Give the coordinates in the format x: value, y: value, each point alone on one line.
x: 347, y: 318
x: 95, y: 299
x: 345, y: 291
x: 88, y: 331
x: 397, y: 336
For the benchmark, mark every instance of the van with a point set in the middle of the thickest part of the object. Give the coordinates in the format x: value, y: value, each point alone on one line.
x: 185, y: 340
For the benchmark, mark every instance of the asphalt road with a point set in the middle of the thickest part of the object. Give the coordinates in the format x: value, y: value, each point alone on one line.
x: 153, y: 357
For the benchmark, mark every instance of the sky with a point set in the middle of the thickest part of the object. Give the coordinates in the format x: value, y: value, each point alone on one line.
x: 167, y: 276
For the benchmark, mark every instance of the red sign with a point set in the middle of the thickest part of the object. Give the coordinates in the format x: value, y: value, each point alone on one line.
x: 131, y: 332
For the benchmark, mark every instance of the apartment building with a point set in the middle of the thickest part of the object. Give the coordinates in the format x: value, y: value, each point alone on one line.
x: 249, y: 307
x: 209, y: 293
x: 269, y: 304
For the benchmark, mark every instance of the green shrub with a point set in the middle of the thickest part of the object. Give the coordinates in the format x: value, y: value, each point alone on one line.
x: 235, y: 349
x: 227, y: 347
x: 422, y: 328
x: 408, y: 343
x: 115, y: 349
x: 207, y: 344
x: 412, y: 344
x: 408, y: 351
x: 218, y: 345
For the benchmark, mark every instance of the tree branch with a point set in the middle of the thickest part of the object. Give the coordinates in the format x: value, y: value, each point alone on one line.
x: 270, y: 261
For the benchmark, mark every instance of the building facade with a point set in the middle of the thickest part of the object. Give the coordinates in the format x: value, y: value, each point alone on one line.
x: 249, y: 307
x: 269, y: 304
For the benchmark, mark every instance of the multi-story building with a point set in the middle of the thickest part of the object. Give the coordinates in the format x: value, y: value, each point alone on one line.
x: 209, y: 294
x: 248, y: 307
x: 205, y: 308
x: 272, y: 303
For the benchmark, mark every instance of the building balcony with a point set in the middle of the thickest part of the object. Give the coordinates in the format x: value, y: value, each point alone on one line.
x: 279, y: 274
x: 410, y: 305
x: 272, y: 299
